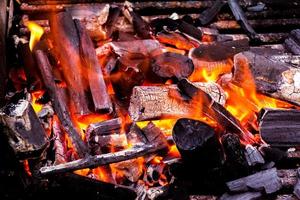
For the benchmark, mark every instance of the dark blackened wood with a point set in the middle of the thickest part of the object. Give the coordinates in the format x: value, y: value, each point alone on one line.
x: 28, y: 62
x: 295, y: 34
x: 104, y: 159
x: 189, y: 29
x: 59, y: 103
x: 23, y: 129
x: 244, y: 196
x: 241, y: 18
x: 94, y: 188
x: 219, y: 50
x: 114, y: 13
x: 235, y: 156
x: 267, y: 181
x: 279, y: 127
x: 3, y: 70
x: 67, y: 46
x: 171, y: 65
x: 297, y: 186
x: 276, y: 79
x: 253, y: 156
x: 292, y: 46
x: 209, y: 14
x: 289, y: 59
x: 197, y: 143
x: 102, y: 102
x: 215, y: 110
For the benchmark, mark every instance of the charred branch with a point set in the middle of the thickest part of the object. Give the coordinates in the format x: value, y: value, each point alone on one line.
x: 59, y: 104
x: 209, y: 14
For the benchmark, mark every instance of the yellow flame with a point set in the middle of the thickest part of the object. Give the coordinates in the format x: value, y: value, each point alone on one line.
x: 36, y: 32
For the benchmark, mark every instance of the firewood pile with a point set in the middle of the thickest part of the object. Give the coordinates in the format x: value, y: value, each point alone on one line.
x: 150, y: 100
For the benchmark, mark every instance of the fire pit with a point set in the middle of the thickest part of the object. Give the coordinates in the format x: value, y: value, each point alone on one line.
x: 150, y: 100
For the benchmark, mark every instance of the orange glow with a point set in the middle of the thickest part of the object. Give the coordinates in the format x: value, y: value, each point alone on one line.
x: 173, y: 151
x: 27, y: 168
x: 174, y: 50
x: 36, y: 32
x: 35, y: 96
x: 84, y: 121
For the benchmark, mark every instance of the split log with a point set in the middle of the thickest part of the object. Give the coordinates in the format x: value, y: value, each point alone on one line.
x: 219, y: 51
x: 59, y: 104
x: 267, y: 181
x: 215, y: 110
x: 244, y: 196
x: 209, y: 14
x: 280, y: 127
x: 150, y: 102
x: 97, y: 85
x: 253, y: 156
x: 3, y: 70
x: 172, y: 65
x: 67, y: 46
x: 197, y: 143
x: 276, y: 79
x: 104, y: 159
x: 23, y: 129
x: 241, y: 18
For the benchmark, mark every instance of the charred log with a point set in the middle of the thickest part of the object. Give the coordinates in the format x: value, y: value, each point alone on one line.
x: 220, y: 50
x: 58, y: 101
x: 175, y: 39
x: 150, y: 102
x: 154, y: 134
x: 280, y: 127
x: 197, y: 143
x: 97, y: 85
x: 276, y: 79
x: 23, y: 129
x: 170, y: 65
x: 67, y: 46
x: 209, y: 14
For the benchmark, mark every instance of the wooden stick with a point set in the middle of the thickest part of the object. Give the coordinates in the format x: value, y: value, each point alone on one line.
x: 67, y: 48
x: 58, y: 103
x: 241, y: 19
x: 98, y: 88
x: 104, y: 159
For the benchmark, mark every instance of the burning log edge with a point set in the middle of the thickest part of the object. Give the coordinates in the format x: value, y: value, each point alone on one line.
x: 104, y: 159
x: 58, y: 102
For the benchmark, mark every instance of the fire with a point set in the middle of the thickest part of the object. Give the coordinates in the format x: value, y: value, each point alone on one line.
x: 36, y: 32
x: 35, y: 96
x: 27, y: 168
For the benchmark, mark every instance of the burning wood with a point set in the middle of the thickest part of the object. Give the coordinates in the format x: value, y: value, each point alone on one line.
x: 60, y: 147
x: 209, y: 14
x: 149, y: 102
x: 293, y: 42
x: 23, y: 129
x: 253, y: 156
x: 104, y: 128
x: 95, y: 77
x: 279, y: 127
x: 66, y: 46
x: 297, y: 186
x: 59, y: 103
x: 175, y: 39
x: 272, y: 78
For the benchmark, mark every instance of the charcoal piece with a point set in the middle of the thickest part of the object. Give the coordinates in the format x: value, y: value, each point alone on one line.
x: 197, y: 143
x: 210, y: 13
x: 280, y: 127
x: 272, y: 154
x: 292, y: 46
x: 267, y: 181
x: 297, y: 186
x: 106, y: 127
x: 253, y: 156
x: 23, y: 129
x: 169, y: 65
x: 154, y: 134
x: 219, y: 51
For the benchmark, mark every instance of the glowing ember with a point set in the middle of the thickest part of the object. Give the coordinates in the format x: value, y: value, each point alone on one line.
x: 36, y: 32
x: 35, y: 96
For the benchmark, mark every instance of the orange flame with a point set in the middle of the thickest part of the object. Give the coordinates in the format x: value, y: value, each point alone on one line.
x: 36, y: 32
x: 35, y: 96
